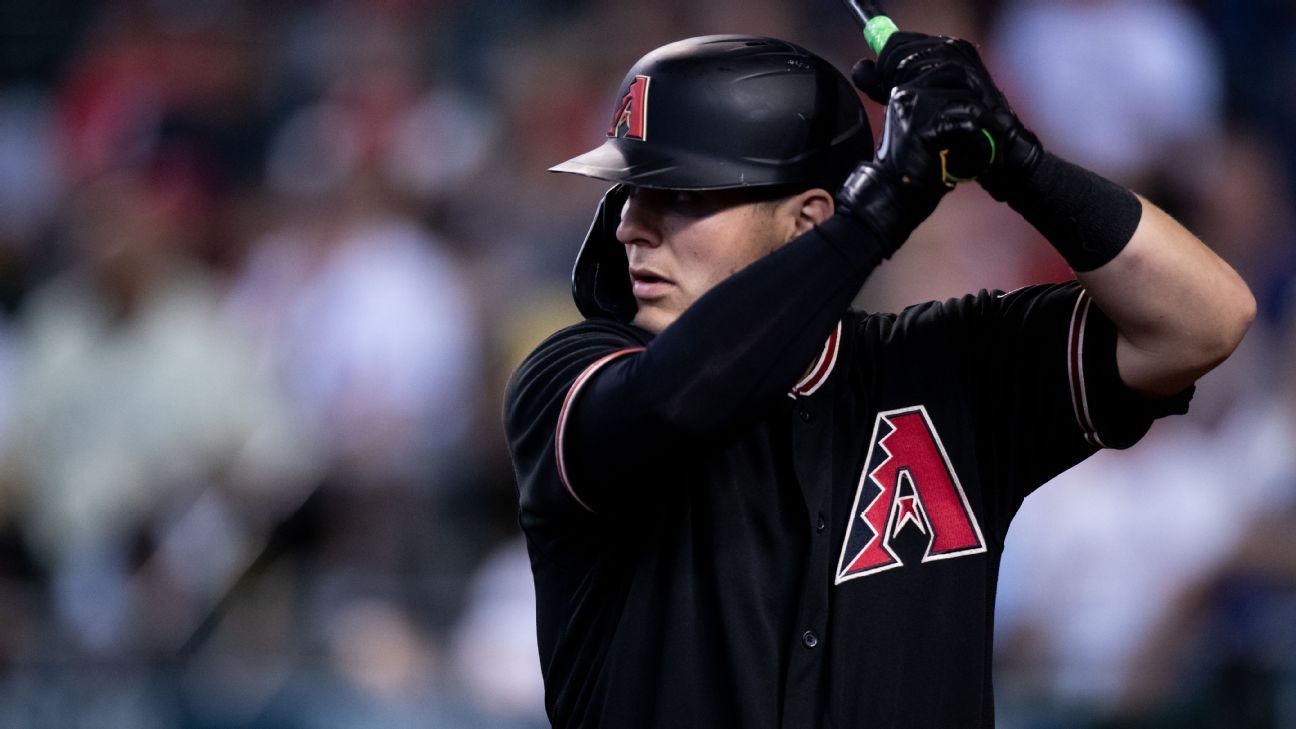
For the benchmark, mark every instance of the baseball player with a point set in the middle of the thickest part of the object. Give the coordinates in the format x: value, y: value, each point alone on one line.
x: 747, y: 505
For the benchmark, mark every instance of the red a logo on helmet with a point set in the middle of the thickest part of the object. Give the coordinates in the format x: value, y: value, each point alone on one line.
x: 632, y: 113
x: 907, y: 479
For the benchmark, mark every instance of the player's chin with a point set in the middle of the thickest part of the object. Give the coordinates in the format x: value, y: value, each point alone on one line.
x: 654, y: 316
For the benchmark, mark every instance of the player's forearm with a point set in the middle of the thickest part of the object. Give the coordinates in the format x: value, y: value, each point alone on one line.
x: 726, y: 360
x: 735, y: 350
x: 1179, y: 309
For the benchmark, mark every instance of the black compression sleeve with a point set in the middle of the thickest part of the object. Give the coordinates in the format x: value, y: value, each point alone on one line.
x: 1088, y: 218
x: 726, y: 359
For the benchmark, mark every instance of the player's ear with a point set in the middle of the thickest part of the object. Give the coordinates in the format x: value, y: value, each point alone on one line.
x: 811, y: 208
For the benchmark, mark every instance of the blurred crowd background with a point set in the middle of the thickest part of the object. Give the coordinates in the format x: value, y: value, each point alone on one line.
x: 266, y: 265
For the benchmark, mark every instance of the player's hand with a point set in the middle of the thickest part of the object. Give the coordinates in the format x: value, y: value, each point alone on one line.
x: 905, y: 57
x: 905, y: 184
x: 909, y: 60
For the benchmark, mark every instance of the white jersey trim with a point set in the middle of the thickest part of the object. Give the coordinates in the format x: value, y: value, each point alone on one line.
x: 1075, y: 370
x: 822, y: 367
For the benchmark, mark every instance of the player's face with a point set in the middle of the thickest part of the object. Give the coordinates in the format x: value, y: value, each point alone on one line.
x: 682, y: 243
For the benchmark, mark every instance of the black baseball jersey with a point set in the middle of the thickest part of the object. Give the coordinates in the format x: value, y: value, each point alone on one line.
x: 708, y: 555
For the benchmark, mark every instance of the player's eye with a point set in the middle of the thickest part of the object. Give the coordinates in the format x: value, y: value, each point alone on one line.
x: 688, y: 203
x: 696, y: 203
x: 675, y: 201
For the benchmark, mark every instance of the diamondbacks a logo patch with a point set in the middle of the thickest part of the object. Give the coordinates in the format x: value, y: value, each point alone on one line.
x: 907, y: 482
x: 631, y: 118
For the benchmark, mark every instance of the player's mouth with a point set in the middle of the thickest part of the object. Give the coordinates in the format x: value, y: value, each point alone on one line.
x: 648, y: 284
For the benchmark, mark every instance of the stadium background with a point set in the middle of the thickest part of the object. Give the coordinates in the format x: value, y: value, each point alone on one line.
x: 265, y: 266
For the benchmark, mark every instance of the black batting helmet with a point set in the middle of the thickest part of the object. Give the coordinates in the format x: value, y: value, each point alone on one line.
x: 711, y: 113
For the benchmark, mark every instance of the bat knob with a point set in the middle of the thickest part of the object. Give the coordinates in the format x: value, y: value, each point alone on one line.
x: 967, y: 157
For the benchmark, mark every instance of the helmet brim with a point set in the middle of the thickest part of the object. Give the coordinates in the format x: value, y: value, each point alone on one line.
x: 634, y: 163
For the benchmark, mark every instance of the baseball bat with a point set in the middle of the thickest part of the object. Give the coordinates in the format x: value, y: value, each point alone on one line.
x: 963, y: 162
x: 877, y: 27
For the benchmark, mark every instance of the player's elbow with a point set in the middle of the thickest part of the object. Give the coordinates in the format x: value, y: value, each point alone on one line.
x: 1163, y: 365
x: 1220, y: 317
x: 1235, y: 310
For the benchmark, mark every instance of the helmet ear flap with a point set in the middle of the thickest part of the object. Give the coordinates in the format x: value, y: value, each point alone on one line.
x: 601, y: 277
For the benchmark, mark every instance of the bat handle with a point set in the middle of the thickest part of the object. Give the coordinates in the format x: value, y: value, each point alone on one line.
x: 877, y: 27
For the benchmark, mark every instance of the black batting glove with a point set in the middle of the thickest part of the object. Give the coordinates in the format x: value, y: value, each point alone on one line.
x: 899, y: 190
x: 909, y: 58
x: 905, y: 57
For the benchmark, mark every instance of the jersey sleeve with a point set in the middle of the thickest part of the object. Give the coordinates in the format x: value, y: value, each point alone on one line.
x: 1050, y: 393
x: 538, y: 407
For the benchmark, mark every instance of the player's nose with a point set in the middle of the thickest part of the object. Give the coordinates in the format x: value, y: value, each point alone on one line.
x: 639, y: 222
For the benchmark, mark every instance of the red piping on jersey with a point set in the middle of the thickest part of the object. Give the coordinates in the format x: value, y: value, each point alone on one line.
x: 566, y: 408
x: 822, y: 366
x: 1075, y: 370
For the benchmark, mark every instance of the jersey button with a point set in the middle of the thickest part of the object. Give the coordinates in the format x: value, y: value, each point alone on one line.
x: 806, y: 415
x: 809, y: 639
x: 820, y: 523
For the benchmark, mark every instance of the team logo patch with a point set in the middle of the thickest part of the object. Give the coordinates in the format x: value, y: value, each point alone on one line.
x: 907, y: 482
x: 631, y: 118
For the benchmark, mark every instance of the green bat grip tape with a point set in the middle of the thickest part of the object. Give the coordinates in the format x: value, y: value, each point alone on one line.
x: 877, y: 30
